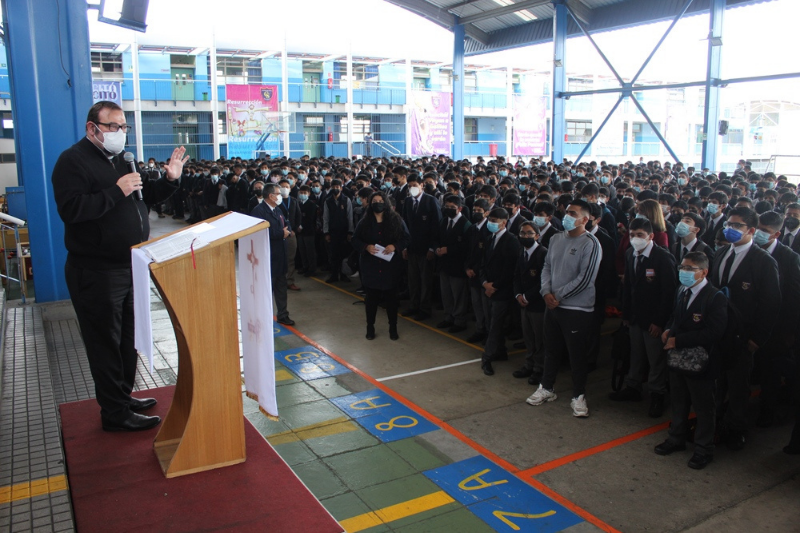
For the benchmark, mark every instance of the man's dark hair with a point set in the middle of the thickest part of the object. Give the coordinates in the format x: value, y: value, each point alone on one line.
x: 488, y: 189
x: 452, y: 199
x: 531, y: 225
x: 544, y: 207
x: 511, y: 199
x: 699, y: 222
x: 583, y: 205
x: 747, y: 215
x: 481, y: 204
x: 94, y: 111
x: 270, y: 188
x: 772, y: 219
x: 498, y: 212
x: 641, y: 223
x: 698, y: 259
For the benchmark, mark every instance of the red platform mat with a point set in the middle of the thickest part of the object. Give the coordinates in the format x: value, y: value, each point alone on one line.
x: 117, y: 485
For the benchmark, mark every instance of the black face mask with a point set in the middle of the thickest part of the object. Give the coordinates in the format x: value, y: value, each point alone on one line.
x: 430, y: 189
x: 450, y: 212
x: 527, y: 242
x: 258, y: 192
x: 336, y: 192
x: 378, y: 207
x: 792, y: 223
x: 477, y: 218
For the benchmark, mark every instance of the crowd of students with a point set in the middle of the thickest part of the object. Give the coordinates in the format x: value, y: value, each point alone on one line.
x: 703, y: 267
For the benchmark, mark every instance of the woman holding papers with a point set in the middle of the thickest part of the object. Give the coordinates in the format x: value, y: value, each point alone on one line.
x: 380, y: 239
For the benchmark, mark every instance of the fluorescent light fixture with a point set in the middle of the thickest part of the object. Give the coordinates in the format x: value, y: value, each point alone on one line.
x: 524, y: 14
x: 8, y: 124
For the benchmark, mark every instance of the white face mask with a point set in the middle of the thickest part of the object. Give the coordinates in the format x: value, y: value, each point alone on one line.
x: 284, y: 192
x: 639, y: 244
x: 414, y: 191
x: 279, y: 201
x: 113, y: 141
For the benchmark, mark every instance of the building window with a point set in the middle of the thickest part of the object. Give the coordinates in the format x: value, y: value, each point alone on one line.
x: 579, y: 84
x: 106, y: 62
x: 362, y: 124
x: 579, y: 131
x: 8, y: 158
x: 470, y: 130
x: 314, y: 121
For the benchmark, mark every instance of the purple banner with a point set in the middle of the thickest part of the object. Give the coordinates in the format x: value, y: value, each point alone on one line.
x: 530, y: 125
x: 431, y: 132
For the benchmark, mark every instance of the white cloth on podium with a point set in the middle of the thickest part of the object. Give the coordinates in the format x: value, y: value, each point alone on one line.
x: 256, y: 307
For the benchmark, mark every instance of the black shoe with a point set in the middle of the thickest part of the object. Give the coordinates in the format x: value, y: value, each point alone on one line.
x: 422, y: 315
x: 332, y: 279
x: 409, y: 312
x: 456, y: 329
x: 656, y: 406
x: 286, y: 321
x: 628, y: 394
x: 766, y: 418
x: 535, y: 378
x: 444, y: 324
x: 135, y: 422
x: 393, y: 332
x: 522, y: 372
x: 735, y: 440
x: 476, y: 337
x: 370, y: 333
x: 519, y: 346
x: 142, y: 404
x: 486, y: 366
x: 667, y: 447
x: 699, y: 462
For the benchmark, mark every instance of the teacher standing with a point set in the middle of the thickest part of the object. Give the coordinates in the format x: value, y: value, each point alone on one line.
x: 380, y: 234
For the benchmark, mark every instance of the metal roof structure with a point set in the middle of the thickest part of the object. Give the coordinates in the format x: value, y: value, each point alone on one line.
x: 494, y: 25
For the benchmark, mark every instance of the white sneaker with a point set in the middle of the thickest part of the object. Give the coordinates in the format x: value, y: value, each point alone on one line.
x: 579, y: 407
x: 541, y: 396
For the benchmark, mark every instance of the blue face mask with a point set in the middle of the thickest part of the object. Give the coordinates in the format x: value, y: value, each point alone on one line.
x: 752, y: 186
x: 358, y: 200
x: 540, y: 222
x: 493, y: 227
x: 503, y: 173
x: 682, y: 229
x: 686, y: 278
x: 761, y: 237
x: 285, y: 171
x: 605, y: 179
x: 568, y: 222
x: 316, y: 190
x: 681, y: 182
x: 637, y: 189
x: 732, y: 235
x: 712, y: 208
x: 323, y: 172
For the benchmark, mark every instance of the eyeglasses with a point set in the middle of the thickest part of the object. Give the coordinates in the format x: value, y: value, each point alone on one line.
x: 687, y: 268
x: 114, y: 127
x: 734, y: 225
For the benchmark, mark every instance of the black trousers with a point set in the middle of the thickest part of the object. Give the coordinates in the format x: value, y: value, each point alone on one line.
x: 374, y: 297
x: 103, y: 302
x: 566, y: 330
x: 685, y: 393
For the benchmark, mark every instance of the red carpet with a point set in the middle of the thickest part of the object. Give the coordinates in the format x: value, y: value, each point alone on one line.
x: 116, y: 483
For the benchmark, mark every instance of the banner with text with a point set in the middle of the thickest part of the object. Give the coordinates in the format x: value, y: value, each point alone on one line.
x: 530, y: 125
x: 107, y: 90
x: 431, y: 131
x: 253, y: 122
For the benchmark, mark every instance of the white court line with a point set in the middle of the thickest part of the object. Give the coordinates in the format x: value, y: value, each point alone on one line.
x: 398, y: 376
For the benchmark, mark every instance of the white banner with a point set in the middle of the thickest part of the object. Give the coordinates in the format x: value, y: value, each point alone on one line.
x: 255, y: 299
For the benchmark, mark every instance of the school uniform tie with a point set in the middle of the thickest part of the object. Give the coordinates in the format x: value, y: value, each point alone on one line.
x: 638, y: 266
x: 788, y: 240
x: 687, y: 294
x: 726, y: 271
x: 450, y: 225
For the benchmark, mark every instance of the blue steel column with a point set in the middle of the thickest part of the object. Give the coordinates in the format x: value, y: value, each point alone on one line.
x: 713, y: 73
x: 559, y: 79
x: 49, y: 116
x: 458, y: 91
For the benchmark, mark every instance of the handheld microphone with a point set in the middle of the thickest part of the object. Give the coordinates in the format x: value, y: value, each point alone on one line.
x: 128, y: 157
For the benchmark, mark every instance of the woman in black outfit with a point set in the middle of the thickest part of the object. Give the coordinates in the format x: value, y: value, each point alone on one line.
x: 382, y: 226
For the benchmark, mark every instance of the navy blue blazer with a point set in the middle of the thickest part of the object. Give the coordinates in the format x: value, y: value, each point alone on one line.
x: 279, y: 262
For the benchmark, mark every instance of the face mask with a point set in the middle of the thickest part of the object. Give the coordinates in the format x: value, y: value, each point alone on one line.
x: 323, y: 172
x: 503, y: 173
x: 527, y: 242
x: 639, y: 244
x: 752, y: 186
x: 761, y: 237
x: 493, y: 227
x: 712, y: 208
x: 683, y: 229
x: 279, y: 201
x: 302, y: 178
x: 637, y: 189
x: 791, y: 223
x: 284, y: 192
x: 414, y: 191
x: 151, y: 165
x: 477, y: 218
x: 258, y: 192
x: 113, y: 141
x: 771, y: 184
x: 681, y: 181
x: 378, y: 207
x: 450, y: 212
x: 568, y: 222
x: 316, y: 190
x: 579, y: 174
x: 336, y: 192
x: 285, y: 171
x: 493, y: 182
x: 302, y: 198
x: 226, y: 171
x: 264, y: 172
x: 732, y: 235
x: 540, y: 222
x: 430, y: 189
x: 214, y: 178
x: 358, y: 200
x: 686, y: 278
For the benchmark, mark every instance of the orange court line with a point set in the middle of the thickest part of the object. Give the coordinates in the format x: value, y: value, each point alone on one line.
x: 550, y: 465
x: 463, y: 438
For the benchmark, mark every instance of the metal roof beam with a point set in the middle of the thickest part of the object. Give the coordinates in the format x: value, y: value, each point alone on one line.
x: 460, y: 4
x: 506, y: 10
x: 476, y: 33
x: 580, y: 11
x: 429, y: 11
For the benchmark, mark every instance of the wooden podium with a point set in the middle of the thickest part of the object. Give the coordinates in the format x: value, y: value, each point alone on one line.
x: 204, y: 428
